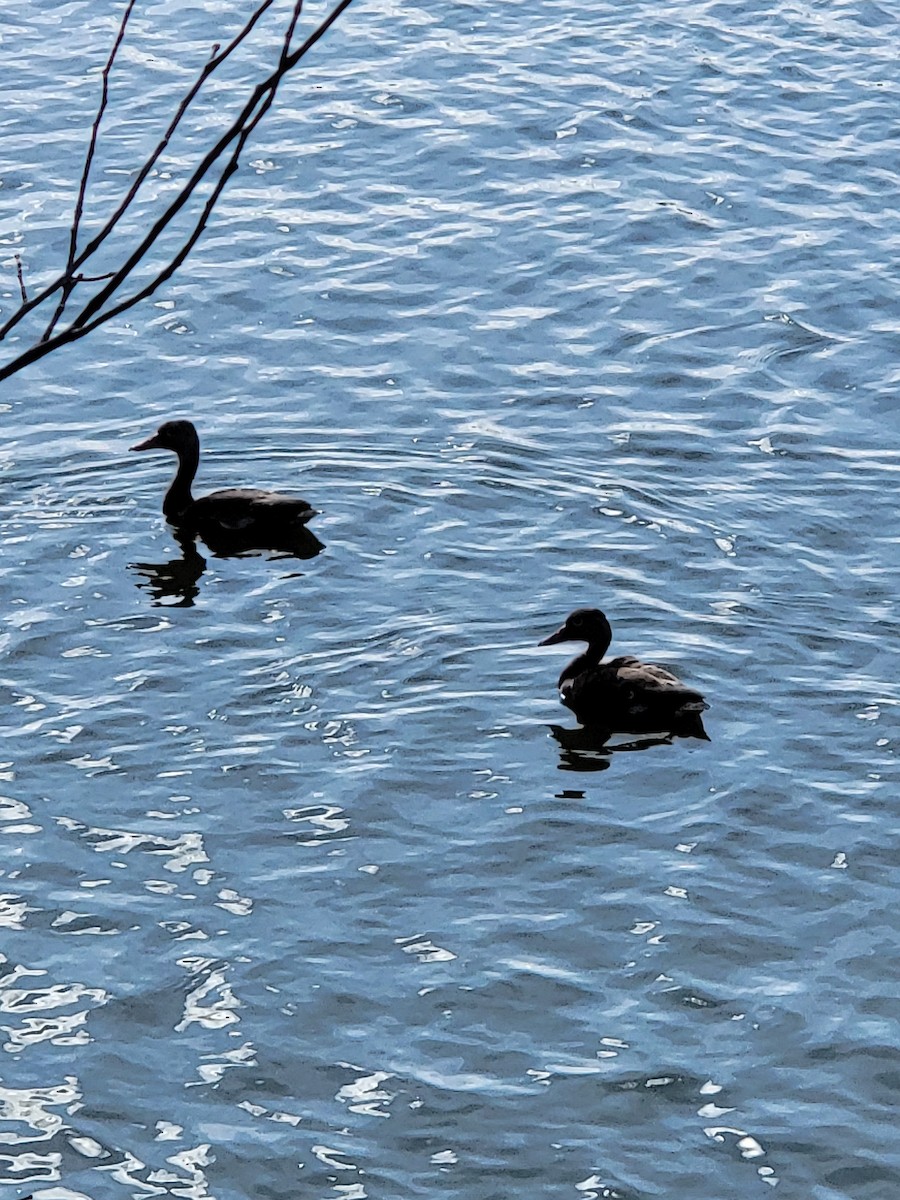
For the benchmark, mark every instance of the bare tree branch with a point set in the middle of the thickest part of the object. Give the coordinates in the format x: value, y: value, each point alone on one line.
x: 215, y: 61
x: 68, y: 274
x: 172, y: 266
x: 257, y: 99
x: 101, y: 308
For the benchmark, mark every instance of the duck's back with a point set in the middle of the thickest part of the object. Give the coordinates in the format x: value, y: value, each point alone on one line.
x: 242, y: 509
x: 626, y: 694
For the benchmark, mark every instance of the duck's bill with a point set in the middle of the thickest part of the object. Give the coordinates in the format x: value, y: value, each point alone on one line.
x: 152, y: 443
x: 559, y: 636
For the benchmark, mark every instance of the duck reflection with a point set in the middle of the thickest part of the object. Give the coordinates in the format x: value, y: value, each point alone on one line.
x: 176, y: 582
x: 227, y: 543
x: 591, y: 749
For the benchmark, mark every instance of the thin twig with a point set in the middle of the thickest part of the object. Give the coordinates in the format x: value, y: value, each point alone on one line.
x: 289, y: 32
x: 294, y: 58
x: 21, y: 279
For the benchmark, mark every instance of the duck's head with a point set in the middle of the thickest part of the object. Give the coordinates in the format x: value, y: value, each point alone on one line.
x: 583, y: 625
x: 172, y: 435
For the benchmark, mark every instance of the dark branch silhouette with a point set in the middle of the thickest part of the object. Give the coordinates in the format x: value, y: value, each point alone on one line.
x: 223, y: 157
x: 69, y: 276
x: 216, y: 60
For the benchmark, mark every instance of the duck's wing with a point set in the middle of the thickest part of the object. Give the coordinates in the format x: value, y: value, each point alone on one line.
x: 241, y: 508
x: 628, y: 695
x: 652, y: 683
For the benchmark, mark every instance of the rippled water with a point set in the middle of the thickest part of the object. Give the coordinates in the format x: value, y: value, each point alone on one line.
x: 541, y: 308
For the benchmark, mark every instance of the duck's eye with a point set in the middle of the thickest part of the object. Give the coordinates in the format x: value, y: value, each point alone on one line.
x: 576, y: 622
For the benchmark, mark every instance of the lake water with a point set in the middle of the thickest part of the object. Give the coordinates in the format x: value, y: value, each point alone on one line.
x: 542, y: 308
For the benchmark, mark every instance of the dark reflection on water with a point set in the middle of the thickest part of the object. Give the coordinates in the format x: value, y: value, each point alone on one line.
x: 301, y: 543
x: 590, y: 749
x: 176, y: 582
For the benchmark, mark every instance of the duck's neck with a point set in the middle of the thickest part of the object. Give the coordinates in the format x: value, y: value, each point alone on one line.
x: 590, y: 658
x: 179, y: 497
x: 594, y: 653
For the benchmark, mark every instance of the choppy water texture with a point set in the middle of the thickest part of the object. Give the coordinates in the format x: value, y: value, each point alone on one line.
x: 543, y: 305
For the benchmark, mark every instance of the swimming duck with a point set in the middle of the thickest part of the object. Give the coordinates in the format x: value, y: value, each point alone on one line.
x: 623, y: 694
x: 235, y: 517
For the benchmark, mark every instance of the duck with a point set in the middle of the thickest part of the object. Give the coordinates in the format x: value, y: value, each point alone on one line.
x: 623, y: 694
x: 233, y: 517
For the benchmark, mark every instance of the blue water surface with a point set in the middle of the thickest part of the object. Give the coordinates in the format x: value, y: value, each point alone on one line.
x: 542, y: 306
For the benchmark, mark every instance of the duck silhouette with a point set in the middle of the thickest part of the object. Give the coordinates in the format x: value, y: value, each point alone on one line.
x: 233, y: 519
x: 623, y: 695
